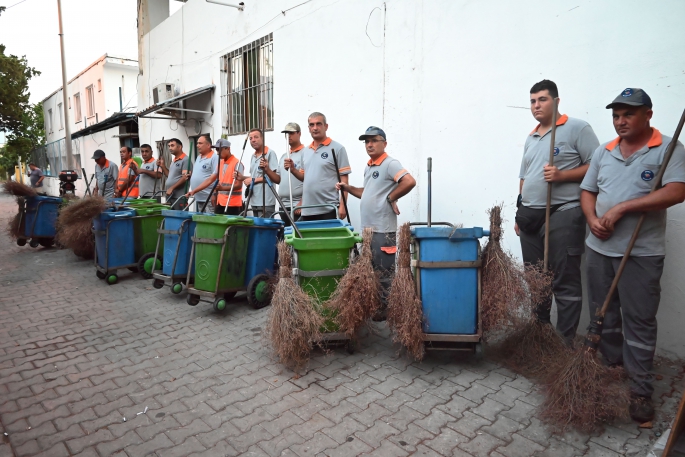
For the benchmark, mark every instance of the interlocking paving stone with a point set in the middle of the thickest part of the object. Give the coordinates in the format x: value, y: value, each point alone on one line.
x: 72, y: 369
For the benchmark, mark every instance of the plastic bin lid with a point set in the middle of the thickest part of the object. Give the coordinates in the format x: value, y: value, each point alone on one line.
x: 266, y: 222
x: 41, y: 198
x: 222, y: 220
x: 148, y: 210
x: 178, y: 213
x: 110, y: 214
x: 453, y: 234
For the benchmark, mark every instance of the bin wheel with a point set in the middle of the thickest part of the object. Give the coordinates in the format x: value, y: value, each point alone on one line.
x: 21, y: 242
x: 228, y: 296
x: 112, y: 279
x: 176, y: 288
x: 478, y: 351
x: 147, y: 264
x: 33, y: 243
x: 259, y: 291
x: 158, y: 284
x: 220, y: 305
x: 47, y: 242
x: 193, y: 300
x: 100, y: 274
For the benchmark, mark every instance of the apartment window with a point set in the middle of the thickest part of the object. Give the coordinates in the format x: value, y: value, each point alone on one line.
x: 61, y: 116
x: 247, y: 87
x: 99, y: 85
x: 90, y: 101
x: 50, y: 121
x: 77, y: 107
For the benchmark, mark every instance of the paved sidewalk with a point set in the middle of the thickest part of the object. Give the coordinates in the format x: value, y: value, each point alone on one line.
x: 78, y: 356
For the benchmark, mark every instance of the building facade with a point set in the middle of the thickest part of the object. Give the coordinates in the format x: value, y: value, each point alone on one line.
x: 101, y: 101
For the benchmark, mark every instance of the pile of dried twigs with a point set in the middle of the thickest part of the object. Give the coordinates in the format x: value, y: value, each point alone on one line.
x: 18, y: 189
x: 74, y: 225
x: 405, y: 312
x: 584, y: 393
x: 358, y: 295
x: 15, y: 226
x: 294, y: 324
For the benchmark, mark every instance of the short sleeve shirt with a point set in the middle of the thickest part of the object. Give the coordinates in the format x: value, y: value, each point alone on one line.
x: 287, y: 179
x: 574, y: 143
x: 106, y: 178
x: 615, y: 179
x: 262, y: 189
x: 380, y: 179
x: 35, y: 176
x: 320, y: 176
x: 176, y: 169
x: 204, y: 168
x: 147, y: 183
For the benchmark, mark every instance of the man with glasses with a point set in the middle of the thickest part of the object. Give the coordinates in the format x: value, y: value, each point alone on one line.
x: 385, y: 182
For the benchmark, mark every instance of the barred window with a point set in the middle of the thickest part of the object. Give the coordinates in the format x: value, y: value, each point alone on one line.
x: 247, y: 87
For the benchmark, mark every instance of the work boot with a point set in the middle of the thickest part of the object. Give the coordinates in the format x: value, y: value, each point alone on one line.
x: 641, y: 408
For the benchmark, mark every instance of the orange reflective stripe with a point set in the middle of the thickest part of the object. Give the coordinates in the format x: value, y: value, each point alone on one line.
x: 389, y: 249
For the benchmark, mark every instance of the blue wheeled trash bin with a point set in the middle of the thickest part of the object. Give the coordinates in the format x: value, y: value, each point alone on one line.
x: 446, y: 262
x: 174, y: 239
x: 262, y: 260
x: 38, y: 217
x: 114, y: 248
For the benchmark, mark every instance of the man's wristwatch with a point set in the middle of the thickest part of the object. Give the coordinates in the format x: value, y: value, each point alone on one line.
x: 389, y: 200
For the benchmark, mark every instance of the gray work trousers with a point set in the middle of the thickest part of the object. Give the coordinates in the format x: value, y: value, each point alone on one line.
x: 257, y: 210
x: 383, y: 262
x: 631, y: 312
x: 208, y: 209
x: 566, y: 245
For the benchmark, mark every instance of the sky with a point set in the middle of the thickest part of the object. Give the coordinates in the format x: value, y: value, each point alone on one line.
x: 91, y: 28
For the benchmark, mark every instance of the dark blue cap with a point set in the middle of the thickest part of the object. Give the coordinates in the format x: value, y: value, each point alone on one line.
x: 633, y: 97
x: 373, y: 131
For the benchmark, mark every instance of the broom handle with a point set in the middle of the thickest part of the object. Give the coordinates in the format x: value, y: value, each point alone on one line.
x: 342, y: 192
x: 154, y: 187
x: 290, y: 182
x: 240, y: 162
x: 636, y: 232
x: 548, y: 207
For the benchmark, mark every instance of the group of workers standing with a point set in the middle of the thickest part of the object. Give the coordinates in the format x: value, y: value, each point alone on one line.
x: 604, y: 187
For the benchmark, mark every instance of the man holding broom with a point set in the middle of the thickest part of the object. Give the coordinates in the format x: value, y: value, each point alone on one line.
x: 127, y: 184
x: 319, y: 161
x: 575, y: 141
x: 291, y: 165
x: 106, y: 173
x: 148, y: 174
x: 178, y: 172
x: 229, y: 191
x: 616, y: 191
x: 385, y: 182
x: 264, y: 160
x: 205, y: 174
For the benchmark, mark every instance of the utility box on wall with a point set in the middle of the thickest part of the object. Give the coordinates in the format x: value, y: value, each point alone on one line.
x: 162, y: 92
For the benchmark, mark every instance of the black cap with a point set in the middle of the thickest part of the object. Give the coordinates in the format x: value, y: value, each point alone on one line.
x: 98, y: 154
x: 371, y: 132
x: 633, y: 97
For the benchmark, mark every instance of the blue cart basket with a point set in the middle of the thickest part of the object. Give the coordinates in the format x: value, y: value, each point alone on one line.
x: 262, y: 260
x: 38, y: 217
x: 113, y: 232
x: 177, y: 228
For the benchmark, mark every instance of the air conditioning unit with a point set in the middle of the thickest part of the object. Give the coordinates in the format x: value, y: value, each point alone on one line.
x: 163, y: 92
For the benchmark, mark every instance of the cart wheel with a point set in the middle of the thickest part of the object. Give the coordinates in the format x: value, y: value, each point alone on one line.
x: 100, y: 274
x: 112, y: 279
x: 228, y: 296
x: 21, y: 241
x: 33, y: 243
x: 350, y: 347
x: 47, y: 242
x: 158, y: 284
x: 478, y: 351
x: 147, y: 264
x: 219, y: 305
x: 176, y: 288
x: 193, y: 300
x: 259, y: 291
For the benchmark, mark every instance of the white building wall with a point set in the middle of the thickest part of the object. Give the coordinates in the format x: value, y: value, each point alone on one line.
x: 447, y: 79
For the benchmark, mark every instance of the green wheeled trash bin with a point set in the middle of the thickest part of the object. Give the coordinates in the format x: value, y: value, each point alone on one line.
x: 145, y: 224
x: 219, y: 251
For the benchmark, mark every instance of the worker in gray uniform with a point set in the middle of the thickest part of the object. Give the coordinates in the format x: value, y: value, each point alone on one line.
x: 616, y: 191
x: 291, y: 165
x: 106, y: 173
x: 574, y: 144
x: 263, y: 161
x: 385, y: 182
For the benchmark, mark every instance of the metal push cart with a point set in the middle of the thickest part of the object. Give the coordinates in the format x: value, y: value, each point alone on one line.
x: 37, y: 219
x: 175, y: 264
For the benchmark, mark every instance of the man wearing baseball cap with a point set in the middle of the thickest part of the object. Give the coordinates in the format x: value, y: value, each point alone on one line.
x: 106, y: 173
x: 385, y: 182
x: 229, y: 195
x: 574, y: 143
x: 291, y: 165
x: 616, y: 191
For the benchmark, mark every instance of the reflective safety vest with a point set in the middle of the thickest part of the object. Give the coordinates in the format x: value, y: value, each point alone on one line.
x: 124, y: 173
x: 226, y: 170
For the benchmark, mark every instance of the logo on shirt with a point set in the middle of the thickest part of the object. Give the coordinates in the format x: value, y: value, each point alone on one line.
x: 647, y: 175
x: 324, y: 155
x: 375, y: 174
x: 178, y: 164
x: 556, y: 151
x: 204, y: 167
x: 627, y: 93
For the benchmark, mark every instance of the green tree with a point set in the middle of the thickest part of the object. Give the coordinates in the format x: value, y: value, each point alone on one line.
x: 30, y: 135
x: 15, y: 74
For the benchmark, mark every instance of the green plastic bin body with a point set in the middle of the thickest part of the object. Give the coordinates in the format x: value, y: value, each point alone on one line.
x: 145, y: 229
x: 208, y: 256
x: 319, y: 250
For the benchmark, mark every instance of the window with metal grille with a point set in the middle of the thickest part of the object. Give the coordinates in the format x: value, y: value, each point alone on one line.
x: 247, y: 87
